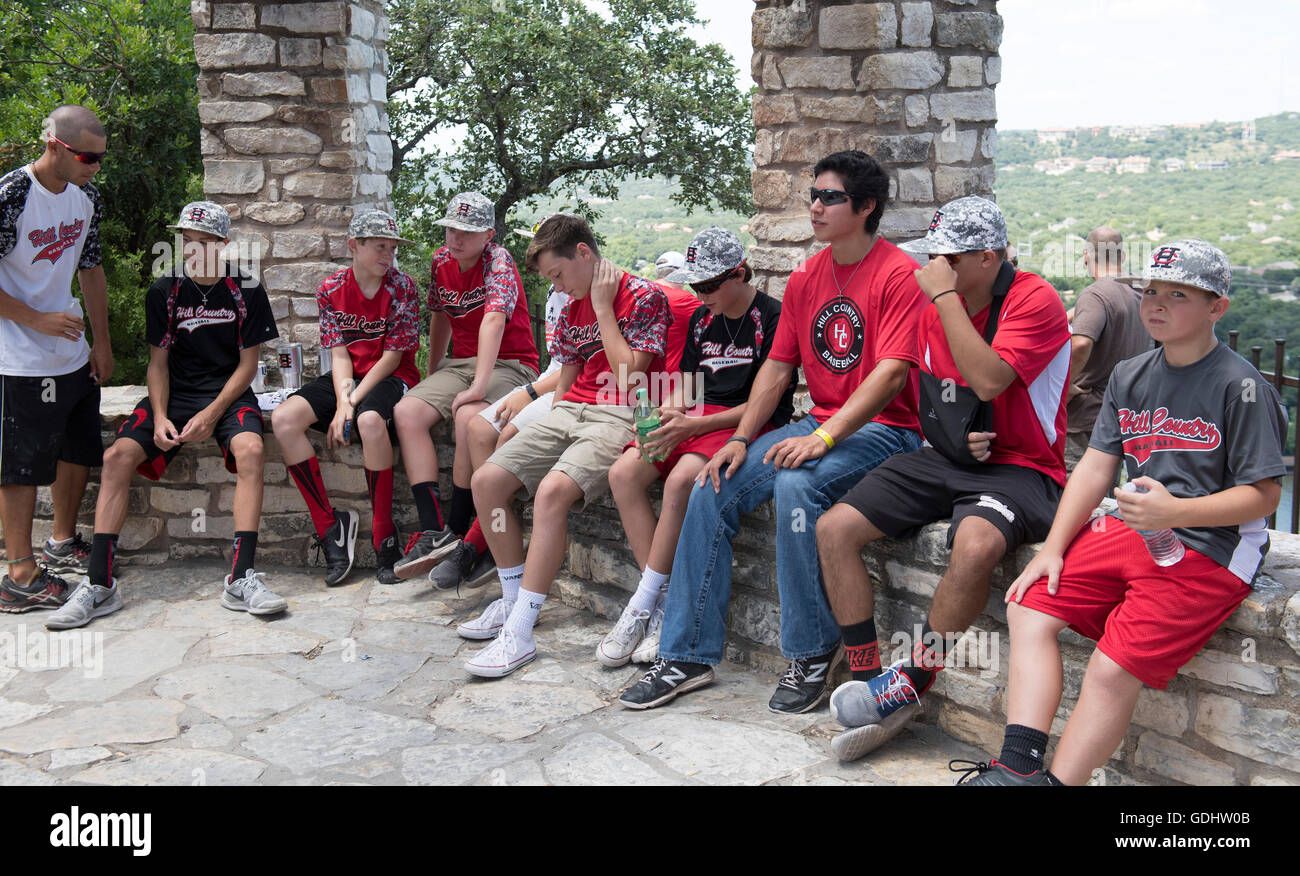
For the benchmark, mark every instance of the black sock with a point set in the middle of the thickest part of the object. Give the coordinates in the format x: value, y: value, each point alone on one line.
x: 462, y: 510
x: 427, y: 505
x: 862, y: 649
x: 103, y: 547
x: 1022, y: 749
x: 245, y: 549
x: 927, y: 659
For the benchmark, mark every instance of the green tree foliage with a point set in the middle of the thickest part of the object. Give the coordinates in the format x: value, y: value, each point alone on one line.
x: 132, y: 63
x: 554, y: 98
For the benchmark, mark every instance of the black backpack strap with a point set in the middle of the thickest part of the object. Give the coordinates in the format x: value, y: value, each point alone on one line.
x: 1001, y: 285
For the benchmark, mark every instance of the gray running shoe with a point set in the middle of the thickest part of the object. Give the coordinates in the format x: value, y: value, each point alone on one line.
x: 251, y: 594
x: 69, y: 558
x: 86, y: 603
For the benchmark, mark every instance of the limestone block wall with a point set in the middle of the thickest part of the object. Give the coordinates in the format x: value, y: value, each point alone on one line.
x: 293, y: 103
x: 910, y: 83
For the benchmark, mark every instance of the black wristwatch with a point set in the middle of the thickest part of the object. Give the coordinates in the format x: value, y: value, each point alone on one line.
x: 528, y: 387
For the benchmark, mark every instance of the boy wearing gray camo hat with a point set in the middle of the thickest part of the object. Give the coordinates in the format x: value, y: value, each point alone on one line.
x: 205, y: 324
x: 994, y: 355
x: 1200, y: 432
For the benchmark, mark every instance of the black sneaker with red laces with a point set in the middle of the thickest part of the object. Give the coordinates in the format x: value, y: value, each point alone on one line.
x: 998, y: 774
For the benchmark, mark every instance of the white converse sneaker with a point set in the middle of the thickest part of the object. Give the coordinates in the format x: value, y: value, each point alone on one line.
x: 487, y: 624
x: 648, y: 650
x: 507, y: 653
x: 617, y: 647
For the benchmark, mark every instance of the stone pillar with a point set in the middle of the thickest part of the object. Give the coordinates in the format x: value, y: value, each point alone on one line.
x: 910, y: 83
x: 292, y: 99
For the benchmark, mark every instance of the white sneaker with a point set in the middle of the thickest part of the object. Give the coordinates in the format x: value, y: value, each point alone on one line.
x: 617, y: 647
x: 648, y: 650
x: 487, y: 624
x: 507, y: 653
x: 251, y: 594
x: 86, y: 603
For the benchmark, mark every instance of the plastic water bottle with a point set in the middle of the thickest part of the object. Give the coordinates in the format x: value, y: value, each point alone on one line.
x: 1162, y: 544
x: 647, y: 420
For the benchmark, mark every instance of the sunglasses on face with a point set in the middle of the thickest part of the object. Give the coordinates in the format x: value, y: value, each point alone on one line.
x: 829, y: 197
x: 953, y: 257
x: 708, y: 287
x: 83, y: 157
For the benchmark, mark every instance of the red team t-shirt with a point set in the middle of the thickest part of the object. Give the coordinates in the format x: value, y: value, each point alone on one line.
x: 1033, y: 337
x: 493, y: 285
x: 643, y: 319
x: 838, y: 339
x: 370, y: 326
x: 683, y: 303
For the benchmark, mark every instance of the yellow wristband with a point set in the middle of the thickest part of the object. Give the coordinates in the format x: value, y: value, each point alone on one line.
x: 825, y: 436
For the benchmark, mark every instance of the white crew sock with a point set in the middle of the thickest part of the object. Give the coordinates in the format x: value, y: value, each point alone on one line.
x: 510, y: 580
x: 524, y: 615
x: 58, y: 544
x: 648, y: 593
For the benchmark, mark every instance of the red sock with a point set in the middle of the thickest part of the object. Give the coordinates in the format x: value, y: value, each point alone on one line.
x: 380, y: 484
x: 306, y: 475
x: 474, y: 538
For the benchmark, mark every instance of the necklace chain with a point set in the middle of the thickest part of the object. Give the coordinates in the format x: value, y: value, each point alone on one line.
x: 840, y: 288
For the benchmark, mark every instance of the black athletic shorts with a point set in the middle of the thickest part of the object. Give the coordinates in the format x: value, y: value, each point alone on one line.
x: 382, y: 399
x: 242, y: 416
x: 48, y: 419
x: 909, y: 490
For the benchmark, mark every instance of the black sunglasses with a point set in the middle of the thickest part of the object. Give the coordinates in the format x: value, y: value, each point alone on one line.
x: 83, y: 157
x: 829, y: 197
x: 708, y: 287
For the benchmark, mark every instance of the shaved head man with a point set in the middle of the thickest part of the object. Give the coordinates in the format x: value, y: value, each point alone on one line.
x: 49, y: 377
x: 1106, y: 328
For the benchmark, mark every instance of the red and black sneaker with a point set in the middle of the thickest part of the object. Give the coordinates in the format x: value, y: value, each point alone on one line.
x: 45, y: 590
x: 71, y: 557
x: 998, y: 774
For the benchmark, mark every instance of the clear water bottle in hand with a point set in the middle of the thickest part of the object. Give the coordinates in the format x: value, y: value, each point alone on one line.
x: 1163, y: 544
x: 647, y: 420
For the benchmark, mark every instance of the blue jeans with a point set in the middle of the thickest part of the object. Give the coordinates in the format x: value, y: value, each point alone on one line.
x: 695, y: 614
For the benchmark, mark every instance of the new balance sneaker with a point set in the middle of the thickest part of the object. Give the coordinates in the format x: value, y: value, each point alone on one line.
x: 45, y: 590
x: 73, y: 557
x: 617, y: 647
x: 86, y: 603
x: 999, y: 774
x: 423, y: 552
x: 803, y: 686
x: 506, y: 654
x: 339, y: 545
x: 251, y: 594
x: 665, y: 680
x: 487, y: 624
x: 388, y: 554
x: 648, y: 650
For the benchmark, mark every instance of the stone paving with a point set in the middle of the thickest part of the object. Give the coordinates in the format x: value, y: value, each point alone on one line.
x: 363, y: 684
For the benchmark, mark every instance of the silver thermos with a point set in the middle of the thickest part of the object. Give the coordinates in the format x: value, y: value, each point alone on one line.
x: 290, y: 361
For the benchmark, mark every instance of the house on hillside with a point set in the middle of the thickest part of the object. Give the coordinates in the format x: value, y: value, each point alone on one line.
x: 1287, y: 155
x: 1174, y: 165
x: 1134, y: 164
x: 1211, y: 165
x: 1054, y: 135
x: 1099, y: 164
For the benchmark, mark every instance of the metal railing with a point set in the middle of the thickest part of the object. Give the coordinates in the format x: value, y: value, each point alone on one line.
x: 1280, y: 381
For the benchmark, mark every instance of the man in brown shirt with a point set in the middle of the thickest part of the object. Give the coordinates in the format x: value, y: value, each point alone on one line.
x: 1107, y: 329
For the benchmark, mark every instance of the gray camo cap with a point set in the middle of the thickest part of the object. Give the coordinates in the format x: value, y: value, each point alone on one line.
x: 964, y: 225
x: 375, y: 223
x: 711, y: 253
x: 204, y: 216
x: 1189, y: 262
x: 470, y: 211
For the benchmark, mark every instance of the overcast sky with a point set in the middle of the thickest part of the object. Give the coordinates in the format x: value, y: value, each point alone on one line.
x: 1095, y: 62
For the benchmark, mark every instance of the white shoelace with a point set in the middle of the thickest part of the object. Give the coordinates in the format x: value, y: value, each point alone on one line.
x: 897, y: 689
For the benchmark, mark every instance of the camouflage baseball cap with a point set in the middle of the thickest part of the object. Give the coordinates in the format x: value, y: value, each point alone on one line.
x: 1189, y: 262
x: 375, y: 223
x: 470, y: 211
x: 964, y: 225
x: 204, y: 216
x: 711, y: 253
x: 668, y: 262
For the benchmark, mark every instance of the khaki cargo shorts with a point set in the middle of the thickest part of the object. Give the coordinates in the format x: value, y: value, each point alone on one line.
x: 452, y: 376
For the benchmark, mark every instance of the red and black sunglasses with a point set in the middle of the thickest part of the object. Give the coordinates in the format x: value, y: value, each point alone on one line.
x: 83, y: 157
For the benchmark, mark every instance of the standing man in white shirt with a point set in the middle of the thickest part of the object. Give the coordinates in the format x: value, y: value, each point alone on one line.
x: 49, y: 377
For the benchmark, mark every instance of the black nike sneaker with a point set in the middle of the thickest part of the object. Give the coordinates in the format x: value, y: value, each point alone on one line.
x: 804, y: 684
x: 339, y: 545
x: 388, y: 554
x: 999, y: 774
x: 665, y: 680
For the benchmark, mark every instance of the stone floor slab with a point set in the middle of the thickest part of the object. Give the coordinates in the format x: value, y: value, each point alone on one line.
x: 131, y: 658
x: 175, y: 766
x: 223, y: 691
x: 509, y: 709
x: 329, y: 733
x: 130, y: 721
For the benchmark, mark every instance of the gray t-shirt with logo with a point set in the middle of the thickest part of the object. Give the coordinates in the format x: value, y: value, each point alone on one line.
x: 1108, y: 312
x: 1198, y: 429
